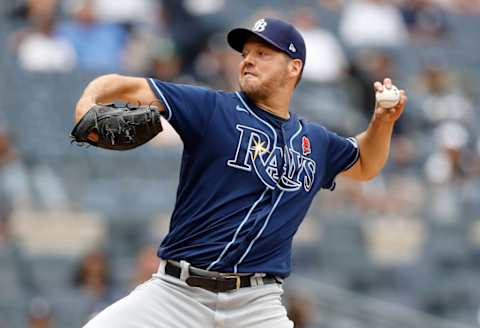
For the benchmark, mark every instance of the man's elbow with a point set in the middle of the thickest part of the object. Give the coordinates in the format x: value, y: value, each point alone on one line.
x: 368, y: 176
x: 106, y: 79
x: 368, y: 173
x: 362, y: 172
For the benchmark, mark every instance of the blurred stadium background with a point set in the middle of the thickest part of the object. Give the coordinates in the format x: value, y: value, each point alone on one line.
x: 79, y: 226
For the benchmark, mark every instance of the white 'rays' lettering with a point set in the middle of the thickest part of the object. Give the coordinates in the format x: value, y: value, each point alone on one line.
x: 254, y: 149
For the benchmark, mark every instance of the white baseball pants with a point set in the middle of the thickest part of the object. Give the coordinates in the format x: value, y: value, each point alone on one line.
x: 168, y: 302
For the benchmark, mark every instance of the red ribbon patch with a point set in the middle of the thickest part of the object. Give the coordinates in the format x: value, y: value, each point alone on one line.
x: 306, y: 147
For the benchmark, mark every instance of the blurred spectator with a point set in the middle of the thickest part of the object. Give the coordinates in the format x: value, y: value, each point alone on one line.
x: 204, y: 7
x: 126, y: 11
x: 153, y: 54
x: 93, y: 280
x: 189, y: 32
x: 146, y: 264
x: 404, y: 153
x: 449, y: 168
x: 424, y: 20
x: 7, y: 152
x: 440, y: 93
x: 217, y: 65
x: 13, y: 178
x: 372, y: 23
x: 369, y: 66
x: 93, y: 274
x: 163, y: 60
x: 326, y: 59
x: 447, y: 162
x: 5, y: 212
x: 40, y: 314
x: 38, y: 46
x: 98, y: 46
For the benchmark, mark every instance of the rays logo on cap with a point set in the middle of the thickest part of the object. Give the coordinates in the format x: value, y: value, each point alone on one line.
x: 260, y: 25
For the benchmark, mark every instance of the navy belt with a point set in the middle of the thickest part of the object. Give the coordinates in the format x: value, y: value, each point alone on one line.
x: 215, y: 281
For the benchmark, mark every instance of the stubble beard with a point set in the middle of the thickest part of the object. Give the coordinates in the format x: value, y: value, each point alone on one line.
x: 255, y: 92
x: 261, y: 91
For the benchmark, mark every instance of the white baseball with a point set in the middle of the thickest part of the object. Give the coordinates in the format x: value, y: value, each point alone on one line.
x: 388, y: 98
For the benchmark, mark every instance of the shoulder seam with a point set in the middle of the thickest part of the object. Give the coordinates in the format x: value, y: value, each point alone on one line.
x: 163, y: 99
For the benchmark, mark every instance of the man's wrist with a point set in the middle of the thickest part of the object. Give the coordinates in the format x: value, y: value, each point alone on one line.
x: 83, y: 105
x: 381, y: 121
x: 379, y: 125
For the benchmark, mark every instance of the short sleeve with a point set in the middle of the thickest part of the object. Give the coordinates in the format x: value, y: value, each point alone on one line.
x: 342, y: 154
x: 188, y: 109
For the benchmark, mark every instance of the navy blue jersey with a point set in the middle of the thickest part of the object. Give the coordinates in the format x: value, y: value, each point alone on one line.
x: 247, y: 179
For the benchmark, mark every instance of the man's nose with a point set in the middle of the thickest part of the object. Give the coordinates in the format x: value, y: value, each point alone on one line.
x: 248, y: 60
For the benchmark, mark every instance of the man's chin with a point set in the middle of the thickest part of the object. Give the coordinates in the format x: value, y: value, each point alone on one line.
x: 248, y: 84
x: 253, y: 89
x: 250, y: 92
x: 248, y: 87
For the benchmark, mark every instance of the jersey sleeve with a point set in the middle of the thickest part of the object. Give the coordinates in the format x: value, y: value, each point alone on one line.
x: 188, y: 109
x: 342, y: 154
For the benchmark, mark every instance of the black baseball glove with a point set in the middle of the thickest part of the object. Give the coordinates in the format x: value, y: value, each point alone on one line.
x: 118, y: 127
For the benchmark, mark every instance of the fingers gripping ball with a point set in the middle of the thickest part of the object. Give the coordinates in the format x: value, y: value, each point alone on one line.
x: 388, y: 98
x: 118, y: 127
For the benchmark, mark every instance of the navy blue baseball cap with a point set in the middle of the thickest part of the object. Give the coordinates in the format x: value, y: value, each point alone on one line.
x: 278, y: 33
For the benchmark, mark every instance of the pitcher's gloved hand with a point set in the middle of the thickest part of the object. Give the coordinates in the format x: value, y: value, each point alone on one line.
x: 118, y: 127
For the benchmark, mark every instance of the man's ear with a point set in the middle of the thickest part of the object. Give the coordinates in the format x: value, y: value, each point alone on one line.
x: 295, y: 67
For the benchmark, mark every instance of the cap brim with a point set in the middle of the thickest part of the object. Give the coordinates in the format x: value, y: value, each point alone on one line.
x: 237, y: 37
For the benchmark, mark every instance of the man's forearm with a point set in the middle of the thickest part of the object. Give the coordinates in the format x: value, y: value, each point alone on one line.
x: 374, y: 143
x: 374, y: 146
x: 111, y: 87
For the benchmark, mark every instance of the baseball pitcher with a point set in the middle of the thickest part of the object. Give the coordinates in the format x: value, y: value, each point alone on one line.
x: 250, y: 170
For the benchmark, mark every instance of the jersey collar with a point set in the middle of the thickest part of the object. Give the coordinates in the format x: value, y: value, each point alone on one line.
x: 290, y: 125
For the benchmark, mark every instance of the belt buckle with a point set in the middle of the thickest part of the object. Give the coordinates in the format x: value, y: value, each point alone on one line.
x: 237, y: 281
